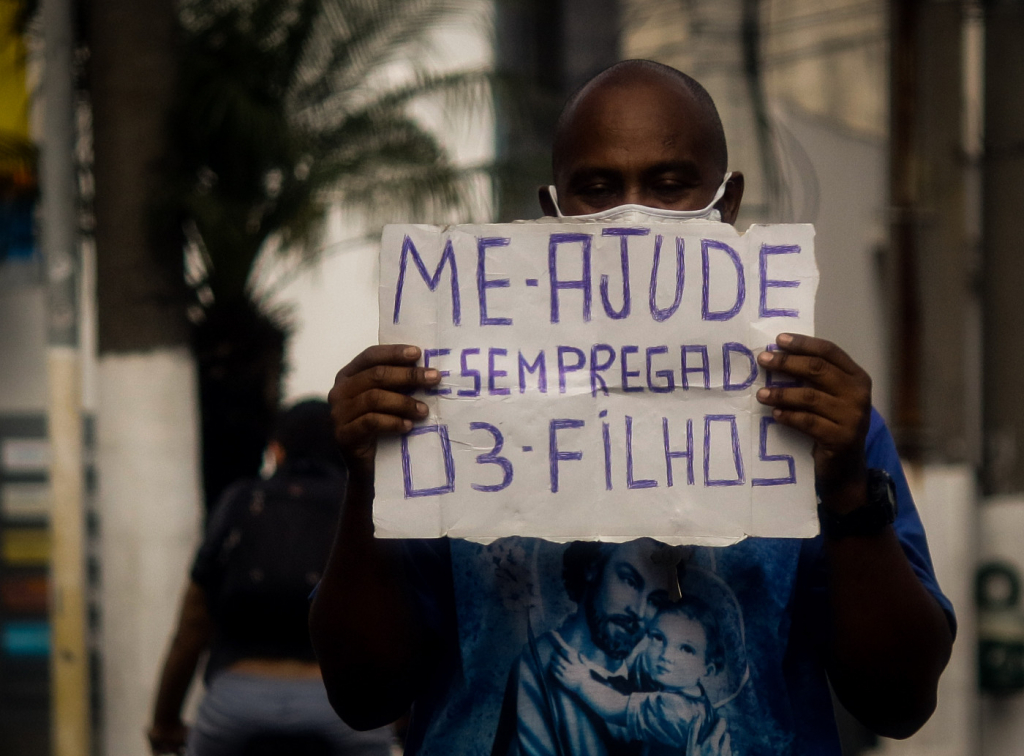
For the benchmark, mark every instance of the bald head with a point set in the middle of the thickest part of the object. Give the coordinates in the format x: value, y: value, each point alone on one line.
x: 640, y: 133
x: 659, y: 80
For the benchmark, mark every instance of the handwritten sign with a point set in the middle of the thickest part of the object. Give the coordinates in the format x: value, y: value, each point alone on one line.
x: 598, y: 381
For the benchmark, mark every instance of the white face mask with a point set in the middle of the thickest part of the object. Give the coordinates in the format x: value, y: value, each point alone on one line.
x: 622, y: 211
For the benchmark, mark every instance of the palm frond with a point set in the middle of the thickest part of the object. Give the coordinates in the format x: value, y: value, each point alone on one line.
x: 284, y: 111
x: 363, y: 37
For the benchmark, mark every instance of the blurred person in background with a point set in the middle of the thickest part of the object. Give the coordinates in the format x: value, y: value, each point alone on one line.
x: 266, y: 545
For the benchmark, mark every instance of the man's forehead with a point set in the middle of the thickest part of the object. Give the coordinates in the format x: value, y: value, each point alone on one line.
x: 613, y: 118
x: 637, y: 555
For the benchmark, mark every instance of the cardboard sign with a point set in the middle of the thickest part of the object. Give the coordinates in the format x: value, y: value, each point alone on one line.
x: 598, y: 381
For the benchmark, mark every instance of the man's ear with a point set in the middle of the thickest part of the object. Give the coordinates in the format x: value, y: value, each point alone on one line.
x: 547, y: 205
x: 729, y: 205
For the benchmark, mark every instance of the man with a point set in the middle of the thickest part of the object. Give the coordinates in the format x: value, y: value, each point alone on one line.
x: 437, y: 624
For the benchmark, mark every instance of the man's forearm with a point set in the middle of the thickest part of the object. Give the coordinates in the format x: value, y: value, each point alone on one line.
x: 890, y: 638
x: 372, y: 650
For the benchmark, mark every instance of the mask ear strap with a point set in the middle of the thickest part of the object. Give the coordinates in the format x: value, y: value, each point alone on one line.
x: 721, y: 190
x: 553, y: 194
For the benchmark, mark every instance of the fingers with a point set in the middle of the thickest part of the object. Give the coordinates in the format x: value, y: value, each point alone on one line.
x: 830, y: 421
x: 373, y: 425
x: 835, y: 399
x: 717, y: 742
x: 387, y: 402
x: 818, y: 428
x: 805, y: 399
x: 809, y: 346
x: 391, y: 377
x: 371, y: 398
x: 812, y: 370
x: 833, y: 406
x: 381, y: 354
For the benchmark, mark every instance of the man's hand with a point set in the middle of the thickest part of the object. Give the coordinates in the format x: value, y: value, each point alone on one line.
x: 376, y: 653
x: 890, y: 639
x: 833, y: 407
x: 167, y: 738
x: 569, y: 671
x: 716, y: 744
x: 371, y: 399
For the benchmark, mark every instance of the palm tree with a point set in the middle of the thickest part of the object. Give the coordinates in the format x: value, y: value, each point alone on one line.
x: 285, y: 108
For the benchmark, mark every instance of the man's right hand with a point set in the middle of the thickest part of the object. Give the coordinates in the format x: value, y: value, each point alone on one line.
x: 371, y: 398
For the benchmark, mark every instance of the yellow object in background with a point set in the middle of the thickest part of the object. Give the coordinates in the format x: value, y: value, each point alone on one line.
x: 13, y: 95
x: 17, y: 172
x: 25, y: 547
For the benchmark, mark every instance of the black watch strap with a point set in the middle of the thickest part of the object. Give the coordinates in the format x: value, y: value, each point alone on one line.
x: 870, y: 518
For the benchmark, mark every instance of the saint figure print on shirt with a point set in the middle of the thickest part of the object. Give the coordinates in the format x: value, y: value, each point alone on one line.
x: 630, y: 671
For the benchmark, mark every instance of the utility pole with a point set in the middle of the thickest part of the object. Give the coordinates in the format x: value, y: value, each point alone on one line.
x: 69, y: 660
x: 931, y: 262
x: 1003, y: 176
x: 936, y: 418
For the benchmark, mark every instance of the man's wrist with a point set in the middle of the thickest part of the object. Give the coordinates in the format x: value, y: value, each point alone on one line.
x: 360, y: 471
x: 361, y: 483
x: 876, y: 510
x: 845, y: 497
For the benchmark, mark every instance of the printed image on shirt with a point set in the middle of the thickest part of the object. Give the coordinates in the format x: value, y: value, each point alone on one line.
x: 644, y: 665
x: 638, y: 648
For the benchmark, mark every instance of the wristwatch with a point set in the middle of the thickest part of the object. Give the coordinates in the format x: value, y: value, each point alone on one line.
x: 867, y: 519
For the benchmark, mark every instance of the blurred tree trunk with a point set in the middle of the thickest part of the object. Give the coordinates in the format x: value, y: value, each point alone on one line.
x: 147, y: 426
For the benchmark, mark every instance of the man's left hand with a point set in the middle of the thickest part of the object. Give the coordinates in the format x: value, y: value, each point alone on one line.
x: 833, y: 407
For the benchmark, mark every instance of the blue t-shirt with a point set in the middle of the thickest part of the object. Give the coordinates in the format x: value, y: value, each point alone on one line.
x: 740, y: 633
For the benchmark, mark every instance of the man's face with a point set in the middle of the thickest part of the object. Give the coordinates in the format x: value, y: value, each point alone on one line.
x: 644, y: 144
x: 622, y: 597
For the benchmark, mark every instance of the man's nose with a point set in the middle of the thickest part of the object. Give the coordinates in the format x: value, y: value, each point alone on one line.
x: 633, y: 194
